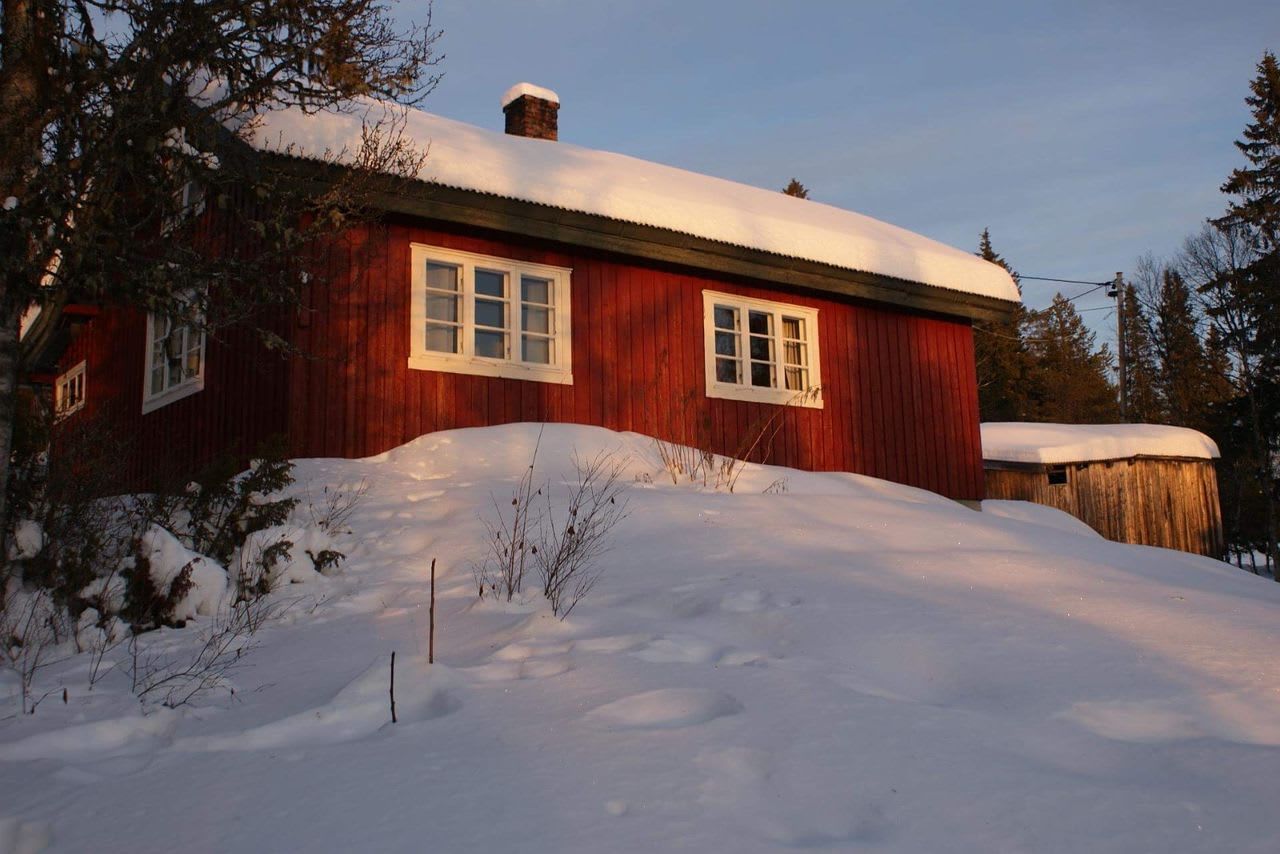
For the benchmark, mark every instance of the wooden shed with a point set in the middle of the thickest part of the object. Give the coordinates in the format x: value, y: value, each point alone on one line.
x: 1148, y: 484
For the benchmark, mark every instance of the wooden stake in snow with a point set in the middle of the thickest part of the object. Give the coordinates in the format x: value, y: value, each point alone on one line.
x: 393, y: 686
x: 431, y: 618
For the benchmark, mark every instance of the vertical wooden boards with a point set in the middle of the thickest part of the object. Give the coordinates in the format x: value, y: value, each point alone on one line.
x: 1166, y: 502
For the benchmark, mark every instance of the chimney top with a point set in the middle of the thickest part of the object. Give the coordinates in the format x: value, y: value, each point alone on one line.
x: 532, y: 91
x: 531, y: 111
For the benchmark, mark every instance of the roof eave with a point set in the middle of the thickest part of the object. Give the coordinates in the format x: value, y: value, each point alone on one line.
x: 575, y: 228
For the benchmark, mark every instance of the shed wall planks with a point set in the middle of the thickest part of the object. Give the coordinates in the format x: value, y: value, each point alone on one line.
x: 1172, y: 503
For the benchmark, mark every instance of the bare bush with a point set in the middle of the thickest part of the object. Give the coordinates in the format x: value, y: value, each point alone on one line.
x: 32, y: 625
x: 225, y: 643
x: 572, y: 541
x: 694, y: 461
x: 562, y: 536
x: 332, y: 508
x: 509, y: 546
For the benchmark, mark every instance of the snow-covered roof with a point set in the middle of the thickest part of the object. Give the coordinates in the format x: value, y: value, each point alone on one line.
x: 624, y: 188
x: 529, y: 89
x: 1022, y: 442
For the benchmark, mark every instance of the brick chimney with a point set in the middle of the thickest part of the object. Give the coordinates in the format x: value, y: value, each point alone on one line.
x: 531, y: 111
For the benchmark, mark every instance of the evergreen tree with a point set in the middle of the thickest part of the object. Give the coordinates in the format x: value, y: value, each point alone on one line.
x: 1257, y: 187
x: 1074, y: 372
x: 1185, y: 381
x: 1007, y: 382
x: 795, y: 188
x: 1253, y: 291
x: 1142, y: 403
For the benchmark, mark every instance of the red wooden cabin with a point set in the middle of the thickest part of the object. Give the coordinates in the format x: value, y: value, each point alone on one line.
x: 524, y: 279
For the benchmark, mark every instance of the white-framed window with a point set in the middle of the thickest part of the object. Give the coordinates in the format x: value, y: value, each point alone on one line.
x: 68, y: 393
x: 174, y: 363
x: 475, y: 314
x: 188, y: 202
x: 761, y: 351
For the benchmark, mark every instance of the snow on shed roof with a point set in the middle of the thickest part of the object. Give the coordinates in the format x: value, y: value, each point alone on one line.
x: 1022, y: 442
x: 624, y: 188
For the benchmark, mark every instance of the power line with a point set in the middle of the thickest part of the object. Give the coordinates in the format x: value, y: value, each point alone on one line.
x: 1086, y: 293
x: 1066, y: 281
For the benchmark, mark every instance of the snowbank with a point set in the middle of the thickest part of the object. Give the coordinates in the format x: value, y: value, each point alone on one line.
x: 624, y: 188
x: 847, y: 665
x: 168, y: 558
x: 1024, y: 442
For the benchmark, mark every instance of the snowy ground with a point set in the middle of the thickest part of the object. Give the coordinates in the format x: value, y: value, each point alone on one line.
x: 849, y: 665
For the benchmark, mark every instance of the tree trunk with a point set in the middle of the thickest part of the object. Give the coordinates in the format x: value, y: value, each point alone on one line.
x: 10, y: 330
x: 25, y: 31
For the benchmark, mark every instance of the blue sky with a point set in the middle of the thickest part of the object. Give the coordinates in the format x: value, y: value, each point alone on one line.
x: 1082, y: 134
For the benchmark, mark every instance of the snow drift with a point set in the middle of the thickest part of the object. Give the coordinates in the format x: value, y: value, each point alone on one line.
x: 845, y: 664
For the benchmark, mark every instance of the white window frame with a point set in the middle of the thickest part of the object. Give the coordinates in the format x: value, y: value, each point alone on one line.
x: 64, y: 388
x: 810, y: 398
x: 186, y: 388
x: 466, y: 361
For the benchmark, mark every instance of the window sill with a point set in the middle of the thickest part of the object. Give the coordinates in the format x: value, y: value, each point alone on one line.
x: 178, y: 392
x: 490, y: 368
x: 774, y: 396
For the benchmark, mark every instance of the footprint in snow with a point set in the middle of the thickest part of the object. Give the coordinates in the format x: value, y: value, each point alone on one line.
x: 524, y: 661
x: 666, y: 708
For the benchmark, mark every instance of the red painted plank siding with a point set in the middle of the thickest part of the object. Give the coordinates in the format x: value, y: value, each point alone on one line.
x: 243, y: 403
x: 900, y: 400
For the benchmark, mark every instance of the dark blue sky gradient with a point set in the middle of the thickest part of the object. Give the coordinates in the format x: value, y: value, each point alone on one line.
x: 1083, y: 134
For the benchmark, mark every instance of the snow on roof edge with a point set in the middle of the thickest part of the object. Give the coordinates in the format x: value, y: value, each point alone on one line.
x: 627, y: 189
x: 1054, y: 444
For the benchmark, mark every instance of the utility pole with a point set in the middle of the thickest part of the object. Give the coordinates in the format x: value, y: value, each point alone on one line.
x: 1117, y: 290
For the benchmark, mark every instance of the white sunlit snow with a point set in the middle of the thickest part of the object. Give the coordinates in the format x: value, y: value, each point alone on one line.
x: 849, y: 664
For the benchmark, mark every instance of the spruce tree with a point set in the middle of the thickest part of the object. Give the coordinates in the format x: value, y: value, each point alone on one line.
x: 1007, y: 382
x: 1257, y: 186
x: 1074, y: 371
x: 795, y: 188
x: 1185, y: 382
x: 1143, y: 401
x: 1253, y: 291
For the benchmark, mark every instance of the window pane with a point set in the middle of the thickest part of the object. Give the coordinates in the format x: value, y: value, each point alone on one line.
x: 537, y: 350
x: 491, y: 314
x: 797, y: 379
x: 491, y: 284
x: 442, y: 339
x: 793, y: 353
x: 726, y: 318
x: 762, y: 348
x: 762, y: 375
x: 537, y: 320
x: 536, y: 290
x: 727, y: 371
x: 157, y: 377
x: 726, y: 344
x: 442, y: 307
x: 760, y: 323
x: 443, y: 277
x: 491, y: 345
x: 792, y: 327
